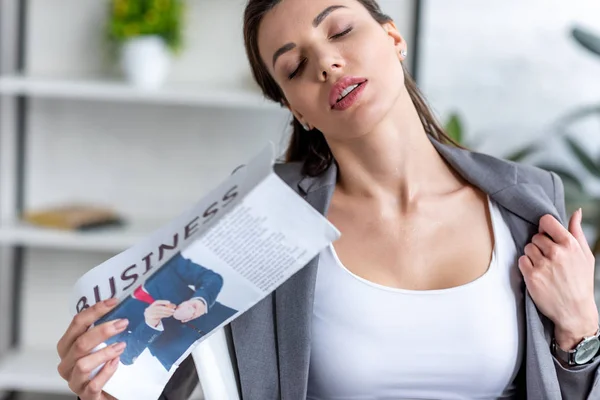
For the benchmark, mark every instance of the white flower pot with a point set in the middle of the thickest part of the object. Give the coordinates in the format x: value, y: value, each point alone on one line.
x: 146, y: 61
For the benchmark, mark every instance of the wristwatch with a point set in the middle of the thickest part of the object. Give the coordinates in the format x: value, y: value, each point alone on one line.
x: 583, y: 353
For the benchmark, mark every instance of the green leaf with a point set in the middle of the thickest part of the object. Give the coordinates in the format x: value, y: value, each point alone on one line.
x: 587, y: 39
x: 577, y: 115
x: 583, y: 157
x: 454, y: 128
x: 522, y: 153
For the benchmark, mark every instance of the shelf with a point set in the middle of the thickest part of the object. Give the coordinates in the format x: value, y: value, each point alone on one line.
x: 31, y: 371
x: 35, y: 371
x: 120, y: 91
x: 113, y: 239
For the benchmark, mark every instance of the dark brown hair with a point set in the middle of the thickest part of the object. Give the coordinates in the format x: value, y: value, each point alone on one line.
x: 311, y: 148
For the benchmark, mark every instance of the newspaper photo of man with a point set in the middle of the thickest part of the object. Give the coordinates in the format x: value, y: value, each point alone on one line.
x: 173, y: 309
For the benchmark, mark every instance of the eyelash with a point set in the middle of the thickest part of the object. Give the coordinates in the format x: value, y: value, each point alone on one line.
x: 347, y: 31
x: 336, y: 36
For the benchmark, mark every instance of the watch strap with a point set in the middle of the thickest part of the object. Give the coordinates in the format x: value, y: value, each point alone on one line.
x: 568, y: 357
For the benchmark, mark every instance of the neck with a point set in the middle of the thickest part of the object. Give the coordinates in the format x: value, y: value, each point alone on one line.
x: 395, y: 159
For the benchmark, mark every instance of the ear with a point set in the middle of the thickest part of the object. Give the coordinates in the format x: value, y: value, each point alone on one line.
x: 392, y: 31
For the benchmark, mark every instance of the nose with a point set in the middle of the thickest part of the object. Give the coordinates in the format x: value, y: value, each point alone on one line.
x: 328, y: 66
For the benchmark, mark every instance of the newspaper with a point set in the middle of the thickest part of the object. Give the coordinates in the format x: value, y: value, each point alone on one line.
x: 200, y: 271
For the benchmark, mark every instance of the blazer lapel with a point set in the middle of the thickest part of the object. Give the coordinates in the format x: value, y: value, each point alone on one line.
x: 498, y: 178
x: 537, y: 355
x: 294, y: 301
x: 522, y: 205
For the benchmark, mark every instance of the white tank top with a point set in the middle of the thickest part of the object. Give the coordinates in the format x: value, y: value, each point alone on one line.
x: 375, y: 342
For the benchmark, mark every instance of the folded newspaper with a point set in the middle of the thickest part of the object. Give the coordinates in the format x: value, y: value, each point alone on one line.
x: 200, y: 271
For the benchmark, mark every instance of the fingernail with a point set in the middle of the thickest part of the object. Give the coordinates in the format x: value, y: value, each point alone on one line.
x: 120, y: 346
x: 110, y: 302
x: 121, y: 323
x: 114, y: 362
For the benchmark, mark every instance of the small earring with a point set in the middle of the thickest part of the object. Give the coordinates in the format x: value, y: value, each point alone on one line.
x: 403, y: 53
x: 306, y: 127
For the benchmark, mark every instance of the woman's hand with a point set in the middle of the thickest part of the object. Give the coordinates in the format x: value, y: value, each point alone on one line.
x: 558, y: 268
x: 76, y: 362
x: 155, y: 312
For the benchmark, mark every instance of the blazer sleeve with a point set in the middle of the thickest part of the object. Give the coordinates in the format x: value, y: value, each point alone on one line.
x: 206, y: 282
x: 581, y: 382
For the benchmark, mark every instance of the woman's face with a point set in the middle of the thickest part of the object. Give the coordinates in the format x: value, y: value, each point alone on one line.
x: 318, y: 50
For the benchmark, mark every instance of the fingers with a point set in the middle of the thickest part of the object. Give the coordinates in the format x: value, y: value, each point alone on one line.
x: 572, y: 238
x: 546, y: 245
x: 161, y: 312
x: 574, y: 222
x: 199, y: 310
x: 80, y: 375
x: 534, y: 254
x: 85, y: 343
x: 165, y: 303
x: 557, y: 232
x: 525, y: 265
x: 577, y: 232
x: 160, y: 309
x: 94, y: 388
x: 81, y: 323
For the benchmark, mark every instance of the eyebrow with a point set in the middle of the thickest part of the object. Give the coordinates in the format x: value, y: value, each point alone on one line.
x: 316, y: 22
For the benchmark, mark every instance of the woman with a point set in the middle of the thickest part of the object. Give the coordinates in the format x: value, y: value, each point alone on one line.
x: 423, y: 296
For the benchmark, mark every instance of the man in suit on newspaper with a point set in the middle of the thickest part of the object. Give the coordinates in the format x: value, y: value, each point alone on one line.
x: 174, y: 308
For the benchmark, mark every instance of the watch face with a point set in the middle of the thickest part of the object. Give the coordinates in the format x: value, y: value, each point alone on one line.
x: 587, y: 350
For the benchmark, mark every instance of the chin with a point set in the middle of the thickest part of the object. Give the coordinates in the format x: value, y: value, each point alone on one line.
x: 366, y: 114
x: 374, y: 113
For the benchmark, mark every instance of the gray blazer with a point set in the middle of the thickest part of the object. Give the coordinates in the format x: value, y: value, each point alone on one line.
x: 271, y: 341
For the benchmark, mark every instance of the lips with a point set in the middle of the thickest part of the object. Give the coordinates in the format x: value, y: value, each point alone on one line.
x: 341, y: 85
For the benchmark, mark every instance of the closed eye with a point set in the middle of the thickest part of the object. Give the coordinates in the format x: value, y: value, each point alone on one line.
x: 339, y: 35
x: 297, y: 70
x: 336, y: 36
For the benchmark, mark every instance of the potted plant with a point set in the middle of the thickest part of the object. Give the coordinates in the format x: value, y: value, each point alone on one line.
x: 147, y: 34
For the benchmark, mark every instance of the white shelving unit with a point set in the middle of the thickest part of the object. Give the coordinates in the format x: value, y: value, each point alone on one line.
x: 33, y: 371
x: 226, y: 120
x: 110, y: 239
x: 118, y: 91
